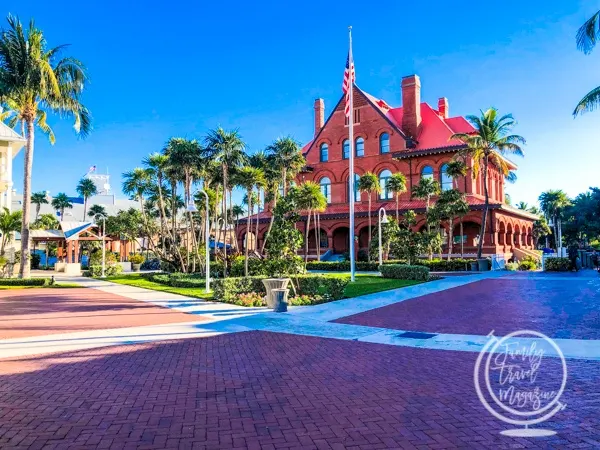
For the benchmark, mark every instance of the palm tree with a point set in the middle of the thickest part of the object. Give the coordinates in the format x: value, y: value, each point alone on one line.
x: 226, y: 148
x: 237, y: 211
x: 86, y: 188
x: 310, y: 198
x: 39, y: 199
x: 136, y: 183
x: 424, y: 190
x: 287, y: 155
x: 155, y: 165
x: 34, y: 81
x: 455, y: 169
x: 248, y: 179
x: 369, y: 183
x: 587, y: 38
x: 9, y: 223
x: 452, y: 204
x: 523, y: 206
x: 553, y: 203
x: 397, y: 184
x: 488, y: 144
x: 97, y: 212
x: 60, y: 203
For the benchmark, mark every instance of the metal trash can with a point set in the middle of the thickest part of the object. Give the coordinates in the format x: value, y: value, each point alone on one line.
x: 280, y: 299
x: 483, y: 264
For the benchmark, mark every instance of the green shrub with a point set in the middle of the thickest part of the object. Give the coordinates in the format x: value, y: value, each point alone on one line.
x: 228, y: 289
x: 435, y: 265
x: 557, y: 264
x: 35, y: 261
x: 3, y: 261
x: 255, y: 267
x: 96, y: 258
x: 24, y: 282
x: 110, y: 270
x: 404, y: 272
x: 527, y: 265
x: 181, y: 280
x: 511, y: 266
x: 443, y: 265
x: 137, y: 258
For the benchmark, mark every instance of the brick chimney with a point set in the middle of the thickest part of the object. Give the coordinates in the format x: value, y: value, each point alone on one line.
x: 411, y: 104
x: 319, y: 115
x: 443, y: 107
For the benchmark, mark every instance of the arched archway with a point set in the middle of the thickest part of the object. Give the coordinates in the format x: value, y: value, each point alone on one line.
x: 341, y: 236
x: 312, y: 240
x: 250, y: 239
x: 502, y: 235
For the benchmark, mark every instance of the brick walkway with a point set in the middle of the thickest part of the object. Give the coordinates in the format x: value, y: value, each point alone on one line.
x: 560, y: 309
x: 267, y: 390
x: 36, y: 312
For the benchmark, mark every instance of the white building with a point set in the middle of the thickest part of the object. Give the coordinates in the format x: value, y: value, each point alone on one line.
x: 10, y: 144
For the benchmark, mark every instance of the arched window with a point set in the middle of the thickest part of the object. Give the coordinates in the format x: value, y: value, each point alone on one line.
x: 384, y: 143
x: 356, y: 191
x: 385, y: 193
x: 427, y: 172
x: 360, y: 147
x: 326, y: 188
x: 324, y: 152
x: 445, y: 179
x: 346, y: 149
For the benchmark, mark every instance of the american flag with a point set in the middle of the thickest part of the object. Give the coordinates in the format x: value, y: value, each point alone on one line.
x: 92, y: 169
x: 348, y: 73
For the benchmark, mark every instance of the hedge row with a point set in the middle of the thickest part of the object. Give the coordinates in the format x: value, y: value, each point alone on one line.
x: 404, y: 272
x: 436, y: 265
x: 557, y: 264
x: 228, y: 289
x: 24, y: 282
x: 180, y: 280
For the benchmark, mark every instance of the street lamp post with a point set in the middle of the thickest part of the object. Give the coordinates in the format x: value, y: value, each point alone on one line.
x: 382, y: 221
x: 192, y: 208
x: 103, y: 275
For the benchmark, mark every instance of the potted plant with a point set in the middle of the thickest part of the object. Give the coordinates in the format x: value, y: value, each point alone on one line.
x: 136, y: 262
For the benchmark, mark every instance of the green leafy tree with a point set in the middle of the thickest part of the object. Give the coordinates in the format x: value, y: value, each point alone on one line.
x: 491, y: 141
x: 409, y: 244
x: 587, y: 38
x: 369, y: 183
x: 285, y: 240
x: 39, y: 199
x: 397, y: 184
x: 35, y: 81
x: 60, y: 203
x: 10, y: 222
x: 553, y: 204
x: 86, y: 188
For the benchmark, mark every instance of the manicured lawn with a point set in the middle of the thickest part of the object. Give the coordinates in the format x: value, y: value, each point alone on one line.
x: 364, y: 284
x: 369, y: 284
x: 138, y: 281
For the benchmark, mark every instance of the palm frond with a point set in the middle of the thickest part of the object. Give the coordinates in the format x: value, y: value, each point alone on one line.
x: 587, y: 35
x: 589, y: 103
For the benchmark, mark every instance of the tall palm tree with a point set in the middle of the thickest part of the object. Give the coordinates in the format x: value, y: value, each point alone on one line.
x: 86, y: 188
x: 155, y: 165
x: 60, y: 203
x: 97, y: 212
x: 369, y: 183
x: 136, y: 184
x: 39, y: 199
x: 10, y: 222
x: 35, y: 81
x: 397, y: 184
x: 274, y: 181
x: 228, y: 150
x: 553, y: 203
x: 587, y: 38
x: 309, y: 197
x: 288, y: 157
x: 249, y: 178
x: 452, y: 204
x: 424, y: 190
x: 487, y: 145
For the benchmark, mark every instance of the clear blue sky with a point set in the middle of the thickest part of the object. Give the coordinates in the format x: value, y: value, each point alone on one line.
x: 159, y: 71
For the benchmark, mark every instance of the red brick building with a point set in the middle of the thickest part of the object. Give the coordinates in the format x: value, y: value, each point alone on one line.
x: 413, y: 139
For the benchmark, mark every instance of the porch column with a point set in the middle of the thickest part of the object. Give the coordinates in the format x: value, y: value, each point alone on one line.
x: 76, y: 251
x: 330, y: 241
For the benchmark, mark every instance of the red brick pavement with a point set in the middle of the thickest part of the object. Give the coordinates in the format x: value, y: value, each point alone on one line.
x: 36, y: 312
x: 271, y: 391
x: 560, y: 309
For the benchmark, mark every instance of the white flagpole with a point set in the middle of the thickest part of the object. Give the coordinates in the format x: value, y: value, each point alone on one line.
x: 351, y: 139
